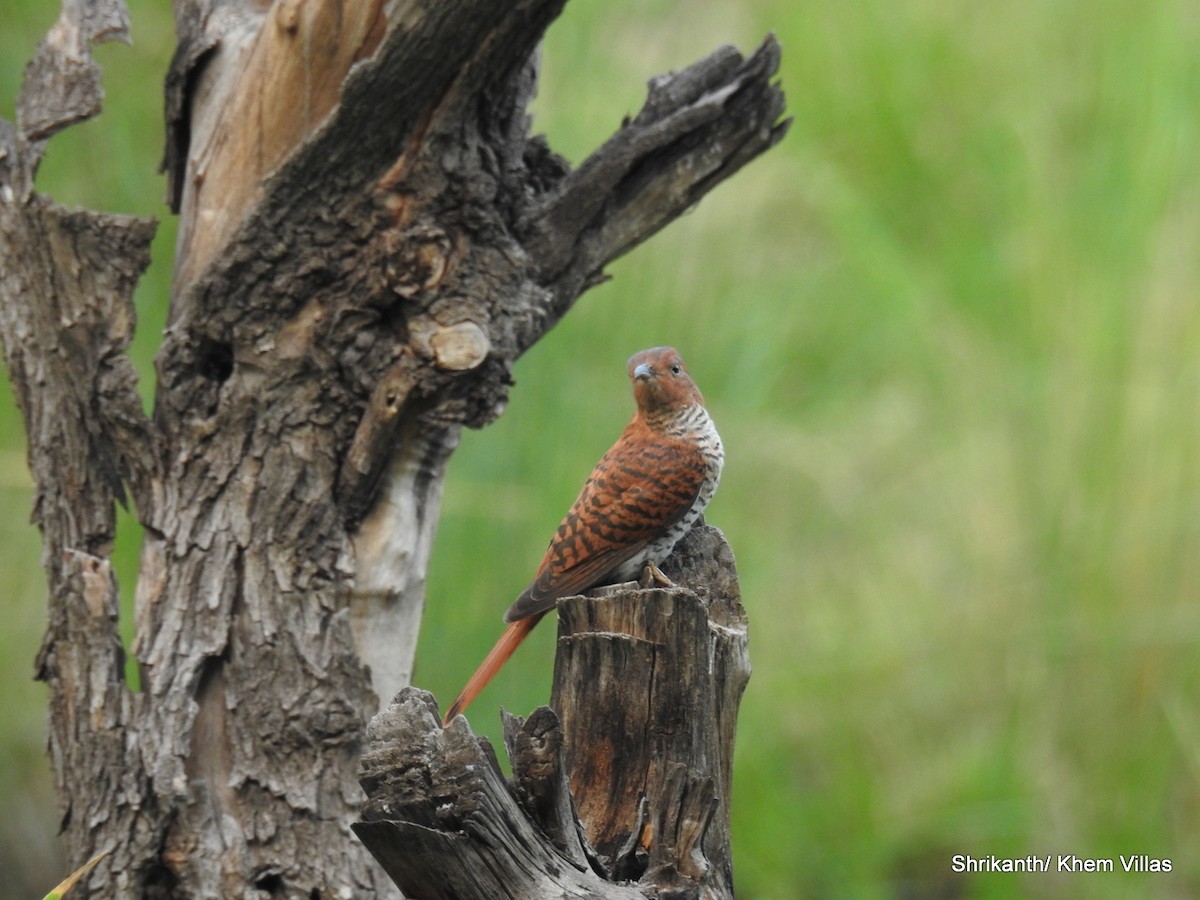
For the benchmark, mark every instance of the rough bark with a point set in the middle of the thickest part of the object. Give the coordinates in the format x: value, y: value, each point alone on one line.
x: 369, y: 239
x: 66, y: 319
x: 622, y: 791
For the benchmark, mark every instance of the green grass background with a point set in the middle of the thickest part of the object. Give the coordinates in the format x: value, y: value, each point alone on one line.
x: 950, y: 331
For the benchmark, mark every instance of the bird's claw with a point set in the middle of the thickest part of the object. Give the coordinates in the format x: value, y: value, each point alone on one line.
x: 652, y: 576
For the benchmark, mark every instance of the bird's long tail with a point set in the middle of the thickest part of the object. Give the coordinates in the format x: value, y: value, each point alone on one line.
x: 509, y: 641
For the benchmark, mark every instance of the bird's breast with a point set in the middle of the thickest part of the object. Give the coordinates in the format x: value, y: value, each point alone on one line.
x: 696, y: 428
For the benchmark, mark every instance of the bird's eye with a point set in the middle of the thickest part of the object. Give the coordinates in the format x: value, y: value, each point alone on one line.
x: 676, y: 368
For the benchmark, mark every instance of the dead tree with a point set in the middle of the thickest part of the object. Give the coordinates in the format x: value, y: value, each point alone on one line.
x: 369, y: 238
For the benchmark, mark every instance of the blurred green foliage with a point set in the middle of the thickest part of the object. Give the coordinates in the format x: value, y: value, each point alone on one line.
x: 950, y: 332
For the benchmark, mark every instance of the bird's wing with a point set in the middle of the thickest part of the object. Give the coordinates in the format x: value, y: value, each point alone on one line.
x: 637, y: 491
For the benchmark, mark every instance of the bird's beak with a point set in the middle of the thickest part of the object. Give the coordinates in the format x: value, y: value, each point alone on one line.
x: 643, y: 372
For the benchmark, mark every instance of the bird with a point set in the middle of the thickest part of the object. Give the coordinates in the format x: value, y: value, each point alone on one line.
x: 644, y: 494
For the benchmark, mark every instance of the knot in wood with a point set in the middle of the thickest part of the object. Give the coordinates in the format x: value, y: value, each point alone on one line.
x: 458, y: 348
x: 94, y: 580
x: 417, y: 259
x: 287, y: 16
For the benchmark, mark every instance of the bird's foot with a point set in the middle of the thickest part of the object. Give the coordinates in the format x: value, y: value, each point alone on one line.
x: 652, y: 576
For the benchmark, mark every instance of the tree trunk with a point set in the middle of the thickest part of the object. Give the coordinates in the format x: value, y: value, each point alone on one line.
x: 369, y: 239
x: 622, y: 791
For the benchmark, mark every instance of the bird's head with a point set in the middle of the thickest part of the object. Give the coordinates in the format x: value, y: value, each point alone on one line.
x: 661, y: 385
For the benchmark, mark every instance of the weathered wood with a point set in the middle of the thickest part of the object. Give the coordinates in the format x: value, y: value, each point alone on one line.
x: 444, y: 825
x: 647, y: 685
x: 369, y: 239
x: 66, y: 319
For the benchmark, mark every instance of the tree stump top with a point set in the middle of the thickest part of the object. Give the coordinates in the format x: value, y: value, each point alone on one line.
x: 621, y: 790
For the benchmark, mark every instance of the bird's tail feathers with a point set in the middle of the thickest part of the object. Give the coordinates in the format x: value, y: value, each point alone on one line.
x: 508, y: 642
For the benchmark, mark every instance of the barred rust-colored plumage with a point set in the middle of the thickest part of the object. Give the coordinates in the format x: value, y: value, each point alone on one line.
x: 642, y: 497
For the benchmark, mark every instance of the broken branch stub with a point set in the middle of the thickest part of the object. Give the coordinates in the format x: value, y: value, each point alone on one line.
x: 647, y: 684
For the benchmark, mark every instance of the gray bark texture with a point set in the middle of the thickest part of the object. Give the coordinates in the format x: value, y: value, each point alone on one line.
x: 369, y: 238
x: 621, y: 791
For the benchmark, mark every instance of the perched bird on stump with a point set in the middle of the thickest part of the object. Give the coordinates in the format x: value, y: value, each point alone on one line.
x: 643, y: 496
